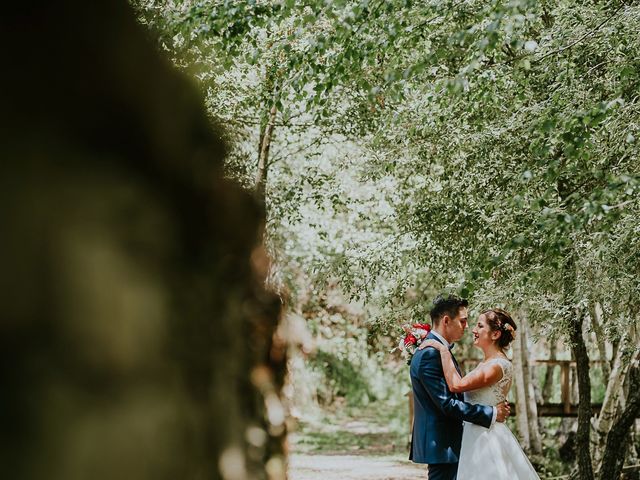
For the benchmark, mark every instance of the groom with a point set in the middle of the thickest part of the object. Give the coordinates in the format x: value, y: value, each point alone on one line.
x: 437, y: 426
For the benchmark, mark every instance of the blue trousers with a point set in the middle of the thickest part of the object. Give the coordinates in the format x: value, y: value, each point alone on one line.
x: 443, y: 471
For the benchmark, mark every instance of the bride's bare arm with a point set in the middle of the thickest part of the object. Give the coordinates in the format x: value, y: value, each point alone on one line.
x: 481, y: 377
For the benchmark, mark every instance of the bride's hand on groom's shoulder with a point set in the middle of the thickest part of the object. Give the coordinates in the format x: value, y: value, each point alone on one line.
x: 431, y: 343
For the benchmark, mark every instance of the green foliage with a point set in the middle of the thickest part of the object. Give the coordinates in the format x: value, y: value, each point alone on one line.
x: 349, y: 367
x: 344, y: 379
x: 500, y: 135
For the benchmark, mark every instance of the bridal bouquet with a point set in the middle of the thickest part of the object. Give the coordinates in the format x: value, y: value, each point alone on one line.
x: 412, y: 338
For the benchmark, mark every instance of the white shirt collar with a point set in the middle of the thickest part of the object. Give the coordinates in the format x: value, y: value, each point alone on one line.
x: 440, y: 337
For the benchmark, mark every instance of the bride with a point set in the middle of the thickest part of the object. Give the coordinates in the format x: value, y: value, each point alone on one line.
x: 495, y: 452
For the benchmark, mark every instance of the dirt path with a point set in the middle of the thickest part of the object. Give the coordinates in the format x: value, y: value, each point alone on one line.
x: 368, y: 447
x: 352, y: 467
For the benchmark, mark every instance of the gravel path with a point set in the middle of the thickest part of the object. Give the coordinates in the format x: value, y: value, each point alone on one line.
x: 352, y: 467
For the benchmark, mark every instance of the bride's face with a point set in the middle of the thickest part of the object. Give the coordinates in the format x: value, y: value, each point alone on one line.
x: 483, y: 336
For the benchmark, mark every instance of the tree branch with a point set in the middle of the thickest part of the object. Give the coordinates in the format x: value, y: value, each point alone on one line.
x: 586, y: 35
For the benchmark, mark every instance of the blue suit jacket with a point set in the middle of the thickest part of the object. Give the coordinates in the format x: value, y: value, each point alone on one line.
x: 438, y: 413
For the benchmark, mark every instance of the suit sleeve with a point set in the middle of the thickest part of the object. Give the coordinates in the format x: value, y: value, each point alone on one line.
x: 435, y: 384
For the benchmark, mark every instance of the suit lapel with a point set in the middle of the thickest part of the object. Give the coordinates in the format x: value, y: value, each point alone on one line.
x: 455, y: 362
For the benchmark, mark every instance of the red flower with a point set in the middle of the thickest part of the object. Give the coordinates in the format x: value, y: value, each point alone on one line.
x: 410, y: 340
x: 423, y: 326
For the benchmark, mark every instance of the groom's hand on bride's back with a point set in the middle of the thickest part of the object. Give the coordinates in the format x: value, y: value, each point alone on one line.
x: 504, y: 410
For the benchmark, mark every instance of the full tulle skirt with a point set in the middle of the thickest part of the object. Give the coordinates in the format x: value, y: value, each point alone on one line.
x: 492, y: 454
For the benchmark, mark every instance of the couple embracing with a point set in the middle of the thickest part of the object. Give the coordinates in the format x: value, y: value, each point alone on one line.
x: 459, y: 428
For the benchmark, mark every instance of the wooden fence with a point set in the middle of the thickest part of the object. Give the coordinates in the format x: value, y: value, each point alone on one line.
x: 563, y: 409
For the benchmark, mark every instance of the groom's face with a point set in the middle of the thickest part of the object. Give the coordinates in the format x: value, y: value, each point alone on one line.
x: 458, y: 325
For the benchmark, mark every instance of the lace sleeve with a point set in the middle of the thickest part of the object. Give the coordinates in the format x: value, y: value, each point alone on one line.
x: 506, y: 366
x: 497, y: 392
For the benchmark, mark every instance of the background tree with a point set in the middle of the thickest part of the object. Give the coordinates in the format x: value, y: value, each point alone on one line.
x: 131, y: 267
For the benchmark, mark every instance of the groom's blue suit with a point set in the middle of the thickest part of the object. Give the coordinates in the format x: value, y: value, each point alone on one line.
x: 437, y: 423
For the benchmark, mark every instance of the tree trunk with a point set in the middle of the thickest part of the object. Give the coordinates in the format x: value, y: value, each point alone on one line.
x: 530, y: 394
x: 595, y: 312
x: 584, y: 400
x: 547, y: 390
x: 521, y: 393
x: 615, y: 344
x: 610, y: 403
x: 616, y: 445
x: 266, y: 136
x: 575, y: 321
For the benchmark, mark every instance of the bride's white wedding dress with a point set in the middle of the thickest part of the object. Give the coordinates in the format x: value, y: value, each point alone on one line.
x: 493, y: 453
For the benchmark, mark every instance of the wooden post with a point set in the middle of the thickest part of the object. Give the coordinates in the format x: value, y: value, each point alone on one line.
x: 566, y: 387
x: 410, y: 397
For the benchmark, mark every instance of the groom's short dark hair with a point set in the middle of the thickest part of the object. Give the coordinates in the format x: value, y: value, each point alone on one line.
x: 446, y: 305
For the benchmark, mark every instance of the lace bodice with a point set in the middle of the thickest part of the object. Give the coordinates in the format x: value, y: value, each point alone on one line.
x: 496, y: 393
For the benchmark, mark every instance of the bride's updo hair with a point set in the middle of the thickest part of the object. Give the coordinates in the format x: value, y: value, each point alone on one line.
x: 500, y: 321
